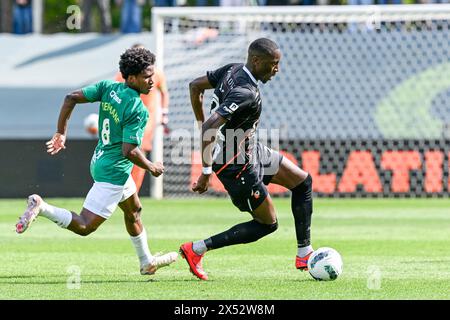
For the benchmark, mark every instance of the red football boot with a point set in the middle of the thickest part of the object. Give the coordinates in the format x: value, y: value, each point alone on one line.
x: 301, y: 263
x: 194, y: 260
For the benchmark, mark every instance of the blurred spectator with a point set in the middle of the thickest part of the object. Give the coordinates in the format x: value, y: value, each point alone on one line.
x: 277, y: 2
x: 389, y: 1
x: 157, y: 98
x: 105, y: 15
x: 130, y: 15
x: 22, y: 17
x: 360, y: 2
x: 204, y: 3
x: 237, y: 3
x: 165, y: 3
x: 5, y: 16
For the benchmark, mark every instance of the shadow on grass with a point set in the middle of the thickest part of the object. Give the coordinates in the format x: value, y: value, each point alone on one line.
x: 62, y: 279
x: 59, y: 279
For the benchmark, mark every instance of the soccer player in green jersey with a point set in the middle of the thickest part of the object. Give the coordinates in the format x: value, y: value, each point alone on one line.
x: 122, y: 119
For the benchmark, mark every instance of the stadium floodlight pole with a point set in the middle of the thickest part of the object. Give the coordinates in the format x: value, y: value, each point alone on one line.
x: 157, y: 154
x: 38, y: 9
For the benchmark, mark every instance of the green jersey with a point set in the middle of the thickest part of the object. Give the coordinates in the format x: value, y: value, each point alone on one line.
x: 122, y: 118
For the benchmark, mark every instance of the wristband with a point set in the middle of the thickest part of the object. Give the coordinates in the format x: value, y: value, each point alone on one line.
x: 207, y: 170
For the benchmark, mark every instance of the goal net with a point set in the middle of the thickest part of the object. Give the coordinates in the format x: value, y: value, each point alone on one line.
x: 361, y: 102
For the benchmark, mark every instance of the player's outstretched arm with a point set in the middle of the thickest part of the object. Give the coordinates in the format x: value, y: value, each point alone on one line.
x: 209, y: 132
x: 197, y: 88
x: 58, y: 141
x: 135, y: 155
x: 70, y: 101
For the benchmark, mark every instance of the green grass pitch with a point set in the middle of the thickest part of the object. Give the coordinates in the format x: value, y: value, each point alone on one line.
x: 392, y: 249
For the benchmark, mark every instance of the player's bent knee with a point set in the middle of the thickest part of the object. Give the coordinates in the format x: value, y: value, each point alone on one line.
x: 273, y: 227
x: 304, y: 186
x: 269, y: 228
x: 86, y: 230
x: 133, y: 217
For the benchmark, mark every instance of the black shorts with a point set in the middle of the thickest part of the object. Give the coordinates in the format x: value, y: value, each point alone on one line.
x: 246, y: 183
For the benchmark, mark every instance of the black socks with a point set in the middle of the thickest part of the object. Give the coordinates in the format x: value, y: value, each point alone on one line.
x: 241, y: 233
x: 301, y: 205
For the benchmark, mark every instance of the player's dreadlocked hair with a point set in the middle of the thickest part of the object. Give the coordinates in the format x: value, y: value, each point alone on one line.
x: 134, y: 61
x: 263, y: 46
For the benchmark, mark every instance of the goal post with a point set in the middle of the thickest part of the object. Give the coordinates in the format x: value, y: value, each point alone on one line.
x: 361, y: 100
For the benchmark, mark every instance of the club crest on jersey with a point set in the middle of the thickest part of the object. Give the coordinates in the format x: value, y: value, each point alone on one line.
x: 256, y: 194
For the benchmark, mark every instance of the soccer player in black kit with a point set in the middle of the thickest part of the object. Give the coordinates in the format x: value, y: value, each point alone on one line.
x: 243, y: 165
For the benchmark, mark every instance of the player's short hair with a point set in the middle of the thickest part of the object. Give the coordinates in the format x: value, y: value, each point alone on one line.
x: 134, y: 61
x: 263, y: 46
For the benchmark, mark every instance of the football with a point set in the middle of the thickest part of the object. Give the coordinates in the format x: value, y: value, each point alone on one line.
x: 91, y: 124
x: 325, y: 264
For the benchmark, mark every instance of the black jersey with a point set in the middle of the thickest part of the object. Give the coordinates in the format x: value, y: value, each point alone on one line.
x: 236, y: 98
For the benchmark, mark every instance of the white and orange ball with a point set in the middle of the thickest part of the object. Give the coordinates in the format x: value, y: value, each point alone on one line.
x: 91, y: 124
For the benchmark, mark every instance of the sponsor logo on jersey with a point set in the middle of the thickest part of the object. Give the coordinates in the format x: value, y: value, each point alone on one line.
x: 231, y: 108
x: 230, y: 83
x: 115, y: 97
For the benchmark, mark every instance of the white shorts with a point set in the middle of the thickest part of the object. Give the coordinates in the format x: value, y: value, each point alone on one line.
x: 104, y: 197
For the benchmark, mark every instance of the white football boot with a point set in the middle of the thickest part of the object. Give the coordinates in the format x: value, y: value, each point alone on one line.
x: 159, y: 261
x: 30, y: 214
